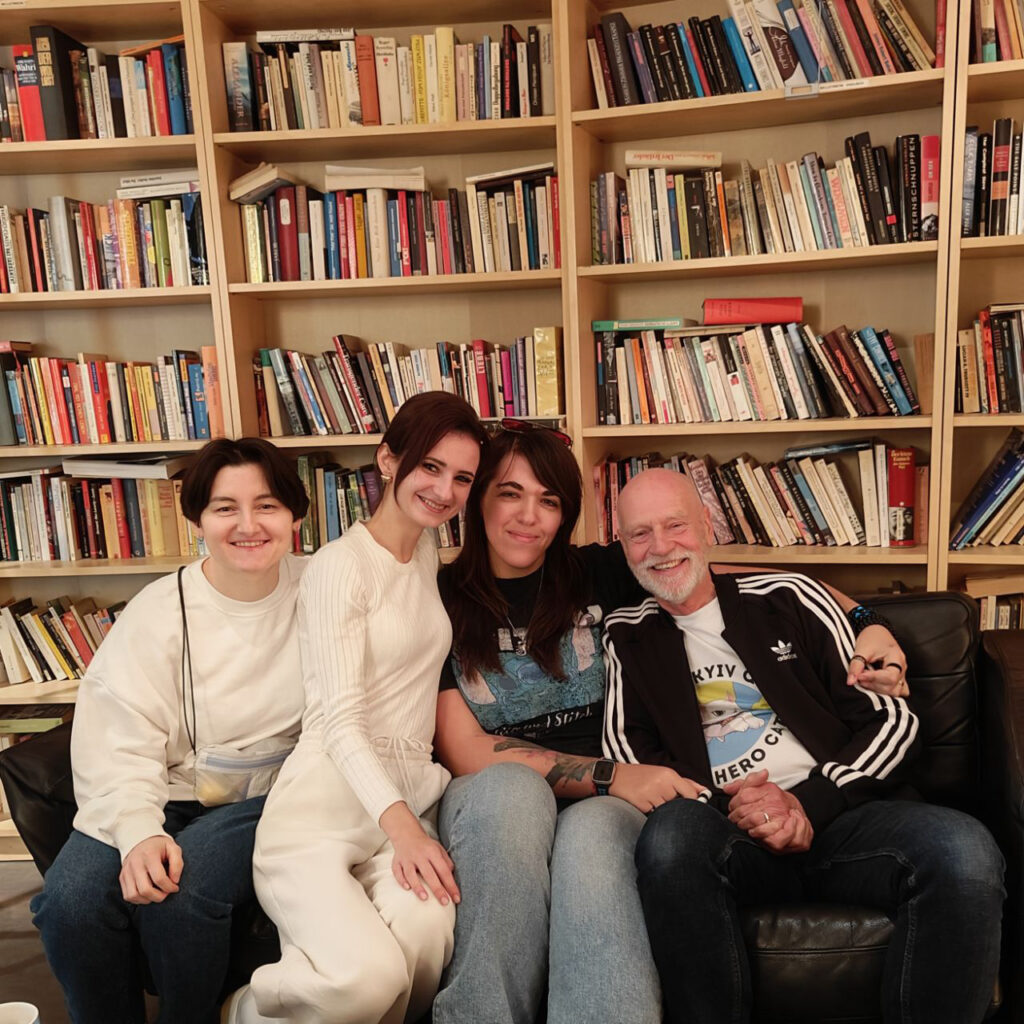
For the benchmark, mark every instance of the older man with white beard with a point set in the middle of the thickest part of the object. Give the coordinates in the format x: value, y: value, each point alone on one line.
x: 739, y: 683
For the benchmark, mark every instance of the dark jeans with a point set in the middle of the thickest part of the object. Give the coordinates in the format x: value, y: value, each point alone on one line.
x: 93, y: 937
x: 937, y: 872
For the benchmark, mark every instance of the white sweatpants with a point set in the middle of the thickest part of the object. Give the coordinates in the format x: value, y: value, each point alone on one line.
x: 356, y: 948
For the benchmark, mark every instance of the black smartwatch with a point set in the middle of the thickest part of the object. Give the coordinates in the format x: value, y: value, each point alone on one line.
x: 602, y: 774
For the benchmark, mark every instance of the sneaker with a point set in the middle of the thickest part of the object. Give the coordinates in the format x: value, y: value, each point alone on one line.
x: 240, y: 1008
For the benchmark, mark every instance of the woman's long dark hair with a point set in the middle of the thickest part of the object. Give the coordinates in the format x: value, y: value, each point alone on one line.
x: 476, y: 606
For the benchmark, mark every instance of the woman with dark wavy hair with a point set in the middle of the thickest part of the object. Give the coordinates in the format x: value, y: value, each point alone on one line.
x: 541, y: 837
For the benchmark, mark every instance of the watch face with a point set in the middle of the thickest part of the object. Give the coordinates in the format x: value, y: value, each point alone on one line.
x: 603, y: 772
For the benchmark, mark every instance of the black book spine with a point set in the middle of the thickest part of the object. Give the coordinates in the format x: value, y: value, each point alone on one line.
x: 458, y: 246
x: 999, y: 190
x: 723, y: 55
x: 186, y: 90
x: 885, y: 187
x: 835, y: 34
x: 533, y: 70
x: 716, y: 244
x: 900, y: 369
x: 733, y: 476
x: 615, y: 29
x: 371, y: 388
x: 257, y: 66
x: 865, y: 40
x: 704, y: 52
x: 696, y: 217
x: 116, y: 89
x: 800, y: 502
x: 414, y: 235
x: 600, y: 378
x: 673, y: 78
x: 912, y: 150
x: 872, y: 188
x: 862, y: 195
x: 647, y: 40
x: 509, y: 72
x: 52, y: 50
x: 679, y: 60
x: 898, y: 49
x: 984, y: 182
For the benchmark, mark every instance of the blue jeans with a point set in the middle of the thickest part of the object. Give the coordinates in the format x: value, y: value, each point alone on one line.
x: 93, y: 937
x: 937, y: 872
x: 547, y: 897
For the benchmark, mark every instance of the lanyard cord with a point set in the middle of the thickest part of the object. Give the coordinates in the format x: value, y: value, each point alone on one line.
x: 186, y: 659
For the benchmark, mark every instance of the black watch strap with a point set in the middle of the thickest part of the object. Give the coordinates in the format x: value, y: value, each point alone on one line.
x: 603, y: 774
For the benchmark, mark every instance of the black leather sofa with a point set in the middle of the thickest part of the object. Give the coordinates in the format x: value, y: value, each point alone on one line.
x: 811, y: 963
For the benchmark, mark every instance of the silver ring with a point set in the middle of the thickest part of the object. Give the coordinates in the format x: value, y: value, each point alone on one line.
x: 766, y: 818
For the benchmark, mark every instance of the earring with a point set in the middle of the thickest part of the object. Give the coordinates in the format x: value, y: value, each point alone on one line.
x: 385, y: 478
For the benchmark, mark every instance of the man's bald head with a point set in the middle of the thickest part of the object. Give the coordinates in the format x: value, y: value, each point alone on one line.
x: 665, y: 531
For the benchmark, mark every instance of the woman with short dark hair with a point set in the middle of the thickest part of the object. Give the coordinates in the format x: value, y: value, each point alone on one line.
x: 186, y: 712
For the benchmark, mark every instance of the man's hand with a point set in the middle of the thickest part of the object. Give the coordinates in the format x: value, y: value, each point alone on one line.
x: 769, y: 814
x: 878, y: 663
x: 647, y: 786
x: 144, y: 877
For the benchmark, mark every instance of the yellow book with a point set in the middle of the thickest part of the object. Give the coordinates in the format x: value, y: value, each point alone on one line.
x: 50, y: 651
x: 360, y: 232
x: 445, y: 36
x: 108, y: 520
x: 168, y: 517
x: 142, y: 409
x: 42, y: 400
x: 148, y: 392
x: 149, y: 500
x: 419, y: 79
x: 382, y: 380
x: 547, y: 357
x: 180, y: 523
x: 252, y: 231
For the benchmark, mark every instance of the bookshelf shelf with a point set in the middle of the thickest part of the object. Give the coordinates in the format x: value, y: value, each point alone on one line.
x: 330, y: 441
x: 132, y: 448
x: 192, y: 296
x: 97, y: 154
x: 1009, y: 554
x: 92, y: 567
x: 989, y: 420
x: 448, y: 283
x: 992, y: 248
x: 799, y: 554
x: 1001, y: 80
x: 856, y: 426
x: 7, y: 829
x: 88, y: 20
x: 859, y: 98
x: 784, y: 263
x: 325, y: 144
x: 60, y: 691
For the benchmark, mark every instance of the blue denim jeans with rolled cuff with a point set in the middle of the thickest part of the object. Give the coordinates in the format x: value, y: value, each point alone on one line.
x: 549, y: 901
x: 937, y: 872
x: 93, y: 938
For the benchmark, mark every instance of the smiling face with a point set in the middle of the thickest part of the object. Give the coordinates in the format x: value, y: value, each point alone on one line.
x: 665, y: 532
x: 521, y: 517
x: 247, y: 532
x: 437, y: 488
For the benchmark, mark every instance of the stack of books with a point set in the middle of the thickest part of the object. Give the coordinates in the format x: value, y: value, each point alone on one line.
x: 801, y: 499
x: 763, y: 45
x: 998, y: 31
x: 990, y: 373
x: 1000, y: 600
x: 659, y: 371
x: 993, y: 511
x: 62, y: 89
x: 376, y: 223
x: 991, y: 191
x: 94, y: 508
x: 334, y: 78
x: 149, y: 235
x: 357, y: 389
x: 664, y: 210
x: 93, y: 400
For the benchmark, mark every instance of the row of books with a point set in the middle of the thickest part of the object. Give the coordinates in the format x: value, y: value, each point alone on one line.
x: 998, y: 30
x: 47, y: 514
x: 659, y: 212
x: 355, y: 388
x: 801, y: 499
x: 992, y: 183
x: 51, y: 641
x: 1000, y: 599
x: 989, y: 368
x: 651, y: 371
x: 993, y: 511
x: 93, y: 400
x: 384, y: 223
x: 74, y: 245
x: 334, y: 78
x: 765, y: 44
x: 63, y: 89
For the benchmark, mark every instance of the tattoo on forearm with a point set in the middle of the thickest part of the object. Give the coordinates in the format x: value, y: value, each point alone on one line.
x: 564, y: 767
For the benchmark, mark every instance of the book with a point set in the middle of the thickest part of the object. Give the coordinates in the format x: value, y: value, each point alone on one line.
x: 753, y: 310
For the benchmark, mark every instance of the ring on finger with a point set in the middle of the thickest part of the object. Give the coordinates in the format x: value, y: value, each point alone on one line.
x: 859, y: 657
x: 894, y: 664
x: 767, y: 817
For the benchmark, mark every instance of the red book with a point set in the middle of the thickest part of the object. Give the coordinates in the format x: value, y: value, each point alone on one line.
x: 483, y: 392
x: 350, y: 236
x: 78, y: 401
x: 124, y: 542
x: 287, y: 232
x: 403, y: 234
x: 33, y: 219
x: 698, y: 63
x: 421, y: 236
x: 27, y: 74
x: 902, y: 485
x: 781, y: 310
x: 443, y: 228
x: 556, y: 229
x: 100, y: 400
x: 940, y: 33
x: 366, y: 69
x: 91, y: 271
x: 506, y: 381
x: 85, y: 651
x: 57, y: 403
x: 156, y: 86
x: 850, y: 31
x: 929, y: 187
x: 989, y: 356
x: 606, y: 70
x: 343, y: 221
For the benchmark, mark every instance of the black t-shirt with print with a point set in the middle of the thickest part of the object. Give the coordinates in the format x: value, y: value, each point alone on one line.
x: 521, y: 699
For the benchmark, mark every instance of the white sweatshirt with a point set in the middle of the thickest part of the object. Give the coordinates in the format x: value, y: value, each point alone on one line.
x: 374, y: 635
x: 129, y: 748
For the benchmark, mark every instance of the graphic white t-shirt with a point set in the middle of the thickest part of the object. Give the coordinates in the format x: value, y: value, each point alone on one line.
x: 741, y: 730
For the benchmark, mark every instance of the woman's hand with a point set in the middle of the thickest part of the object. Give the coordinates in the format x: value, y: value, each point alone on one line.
x: 647, y: 786
x: 418, y: 859
x: 144, y: 877
x: 879, y: 663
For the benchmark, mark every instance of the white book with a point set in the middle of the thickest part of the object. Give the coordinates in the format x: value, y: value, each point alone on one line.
x: 350, y: 81
x: 337, y: 61
x: 643, y: 188
x: 776, y: 384
x: 821, y: 496
x: 882, y: 488
x: 771, y: 173
x: 757, y: 496
x: 787, y: 527
x: 34, y: 669
x: 858, y: 227
x: 790, y: 371
x: 327, y: 70
x: 869, y: 494
x: 680, y: 395
x: 531, y: 376
x: 627, y: 414
x: 843, y: 503
x: 597, y: 76
x: 433, y: 90
x: 800, y: 201
x: 480, y: 230
x: 301, y: 91
x: 299, y: 35
x: 316, y: 239
x: 524, y: 244
x: 61, y: 233
x: 775, y: 239
x: 495, y: 81
x: 765, y: 71
x: 104, y: 128
x: 377, y: 232
x: 472, y: 107
x: 127, y: 69
x: 177, y: 242
x: 540, y: 197
x: 664, y: 221
x: 14, y: 664
x: 764, y: 15
x: 60, y: 533
x: 35, y: 628
x: 547, y: 70
x: 664, y: 408
x: 316, y: 117
x: 499, y: 229
x: 523, y: 73
x: 143, y: 122
x: 177, y: 429
x: 737, y: 388
x: 385, y: 54
x: 406, y: 97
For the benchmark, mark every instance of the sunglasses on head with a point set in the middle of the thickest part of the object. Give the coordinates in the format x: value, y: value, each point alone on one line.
x: 514, y: 426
